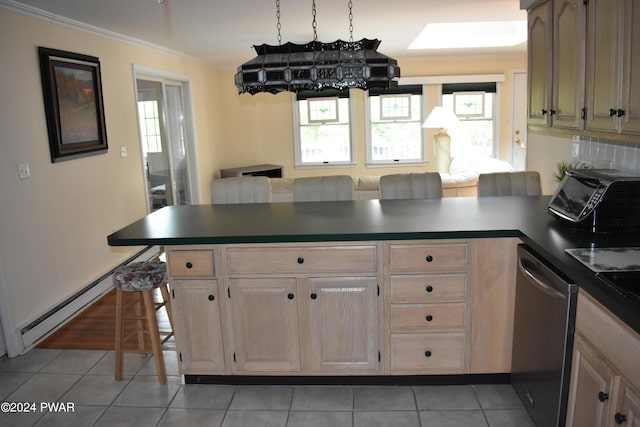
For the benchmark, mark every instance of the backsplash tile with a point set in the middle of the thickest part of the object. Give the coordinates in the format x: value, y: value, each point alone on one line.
x: 606, y: 154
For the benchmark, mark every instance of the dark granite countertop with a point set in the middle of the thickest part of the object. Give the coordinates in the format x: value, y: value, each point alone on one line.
x: 446, y: 218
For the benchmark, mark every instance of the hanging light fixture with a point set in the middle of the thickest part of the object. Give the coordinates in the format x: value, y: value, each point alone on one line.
x: 317, y: 66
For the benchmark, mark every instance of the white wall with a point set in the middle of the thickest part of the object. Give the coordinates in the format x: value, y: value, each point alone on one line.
x: 543, y: 154
x: 54, y: 225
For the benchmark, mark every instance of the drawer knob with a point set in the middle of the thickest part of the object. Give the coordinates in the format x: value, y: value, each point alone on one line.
x: 427, y: 353
x: 314, y: 295
x: 429, y: 258
x: 620, y: 418
x: 290, y: 296
x: 189, y: 265
x: 603, y: 397
x: 429, y: 288
x: 300, y: 260
x: 211, y: 298
x: 429, y: 318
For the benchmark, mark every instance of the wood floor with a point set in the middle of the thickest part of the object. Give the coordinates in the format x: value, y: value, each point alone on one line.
x: 94, y: 328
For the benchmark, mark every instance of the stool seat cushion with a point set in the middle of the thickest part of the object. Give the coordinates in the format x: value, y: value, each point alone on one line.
x: 140, y: 276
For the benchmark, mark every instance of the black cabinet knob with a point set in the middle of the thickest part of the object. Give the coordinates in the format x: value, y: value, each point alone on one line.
x: 612, y: 112
x: 429, y: 288
x: 620, y: 113
x: 429, y: 318
x: 211, y: 298
x: 314, y: 295
x: 603, y: 397
x: 188, y: 265
x: 429, y: 258
x: 427, y: 353
x: 300, y: 260
x: 620, y: 418
x: 290, y: 296
x: 552, y: 112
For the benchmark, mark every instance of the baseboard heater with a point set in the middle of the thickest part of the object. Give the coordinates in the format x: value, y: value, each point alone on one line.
x: 65, y: 311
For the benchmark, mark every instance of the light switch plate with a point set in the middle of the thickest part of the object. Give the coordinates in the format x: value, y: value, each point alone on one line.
x: 23, y: 170
x: 123, y: 151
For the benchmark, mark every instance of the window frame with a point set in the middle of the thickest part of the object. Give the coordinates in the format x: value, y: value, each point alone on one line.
x: 297, y: 140
x: 424, y: 157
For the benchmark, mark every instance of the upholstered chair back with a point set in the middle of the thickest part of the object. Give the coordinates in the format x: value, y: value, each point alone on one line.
x: 245, y: 189
x: 427, y: 185
x: 510, y: 184
x: 323, y: 188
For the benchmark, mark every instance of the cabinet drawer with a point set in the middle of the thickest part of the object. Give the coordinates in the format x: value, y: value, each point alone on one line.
x: 296, y: 260
x: 431, y: 352
x: 423, y: 317
x: 191, y: 263
x: 428, y: 287
x: 416, y: 258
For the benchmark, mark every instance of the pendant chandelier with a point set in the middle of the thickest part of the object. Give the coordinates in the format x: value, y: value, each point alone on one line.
x: 316, y: 66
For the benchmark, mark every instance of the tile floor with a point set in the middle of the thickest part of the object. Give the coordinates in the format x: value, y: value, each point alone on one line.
x: 83, y: 381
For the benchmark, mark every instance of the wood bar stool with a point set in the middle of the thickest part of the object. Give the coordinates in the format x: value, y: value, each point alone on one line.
x: 140, y: 279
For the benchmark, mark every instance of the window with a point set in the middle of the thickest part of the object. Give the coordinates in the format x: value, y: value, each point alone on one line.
x: 476, y: 107
x: 150, y: 126
x: 394, y: 132
x: 322, y: 129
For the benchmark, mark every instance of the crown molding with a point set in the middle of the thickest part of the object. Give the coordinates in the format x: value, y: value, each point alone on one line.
x: 91, y: 29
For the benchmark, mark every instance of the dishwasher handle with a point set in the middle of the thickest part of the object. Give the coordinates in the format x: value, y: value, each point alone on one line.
x: 544, y: 287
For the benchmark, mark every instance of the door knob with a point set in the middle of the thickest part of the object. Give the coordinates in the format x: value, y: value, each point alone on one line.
x: 517, y: 140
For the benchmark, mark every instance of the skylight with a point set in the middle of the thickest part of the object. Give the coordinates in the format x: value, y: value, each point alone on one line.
x: 471, y: 34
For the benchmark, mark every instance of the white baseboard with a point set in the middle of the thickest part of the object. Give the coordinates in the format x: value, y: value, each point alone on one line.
x: 49, y: 323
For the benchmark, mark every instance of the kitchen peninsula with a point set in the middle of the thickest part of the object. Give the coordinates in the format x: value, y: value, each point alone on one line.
x: 335, y: 288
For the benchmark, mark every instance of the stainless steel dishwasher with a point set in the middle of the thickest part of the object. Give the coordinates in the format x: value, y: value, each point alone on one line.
x: 544, y: 326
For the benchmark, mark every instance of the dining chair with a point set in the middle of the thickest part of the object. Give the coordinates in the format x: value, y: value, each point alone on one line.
x: 244, y: 189
x: 323, y: 188
x: 425, y: 185
x: 526, y: 183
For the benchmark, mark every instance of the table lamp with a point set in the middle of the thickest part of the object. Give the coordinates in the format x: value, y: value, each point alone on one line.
x: 441, y: 118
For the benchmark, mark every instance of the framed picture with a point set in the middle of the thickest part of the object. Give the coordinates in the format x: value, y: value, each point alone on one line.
x: 72, y: 89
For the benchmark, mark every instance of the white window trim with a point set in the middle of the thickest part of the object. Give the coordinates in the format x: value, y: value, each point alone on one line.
x: 496, y: 114
x: 370, y: 163
x: 298, y: 164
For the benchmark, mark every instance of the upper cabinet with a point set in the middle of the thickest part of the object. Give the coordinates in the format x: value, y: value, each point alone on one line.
x: 613, y: 103
x: 583, y: 55
x: 556, y: 58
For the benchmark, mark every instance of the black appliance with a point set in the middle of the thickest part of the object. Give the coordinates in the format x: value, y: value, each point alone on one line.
x: 598, y: 200
x: 544, y: 327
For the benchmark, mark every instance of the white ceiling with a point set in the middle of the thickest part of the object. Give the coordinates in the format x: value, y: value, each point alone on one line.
x: 222, y: 32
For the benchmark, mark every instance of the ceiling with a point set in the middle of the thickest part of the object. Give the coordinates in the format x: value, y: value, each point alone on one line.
x: 222, y: 32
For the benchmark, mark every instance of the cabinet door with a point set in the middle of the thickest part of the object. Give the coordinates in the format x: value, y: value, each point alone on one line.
x: 591, y: 387
x: 631, y: 83
x: 603, y: 65
x: 198, y: 331
x: 342, y: 324
x: 626, y: 411
x: 568, y: 62
x: 265, y: 325
x: 540, y: 56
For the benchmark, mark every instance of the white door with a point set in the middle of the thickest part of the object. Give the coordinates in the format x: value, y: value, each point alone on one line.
x: 164, y: 138
x: 519, y: 122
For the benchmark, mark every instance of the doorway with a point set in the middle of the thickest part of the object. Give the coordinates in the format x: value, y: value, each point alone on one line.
x: 519, y: 125
x: 166, y: 140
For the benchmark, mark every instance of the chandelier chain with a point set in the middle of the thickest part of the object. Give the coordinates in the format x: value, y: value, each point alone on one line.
x: 314, y: 24
x: 350, y: 21
x: 279, y: 26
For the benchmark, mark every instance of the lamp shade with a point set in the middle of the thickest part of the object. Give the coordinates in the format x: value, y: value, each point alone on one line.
x: 441, y: 118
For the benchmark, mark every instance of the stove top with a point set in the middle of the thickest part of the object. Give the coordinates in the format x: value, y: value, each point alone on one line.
x: 626, y: 283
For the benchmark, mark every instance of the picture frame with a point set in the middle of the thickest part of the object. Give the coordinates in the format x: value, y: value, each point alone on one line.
x: 72, y: 90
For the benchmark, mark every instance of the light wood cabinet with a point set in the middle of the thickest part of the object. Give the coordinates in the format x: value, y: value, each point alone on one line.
x: 605, y: 375
x: 264, y: 325
x: 196, y: 310
x: 613, y: 64
x: 304, y: 309
x: 427, y: 310
x: 556, y: 61
x: 340, y: 324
